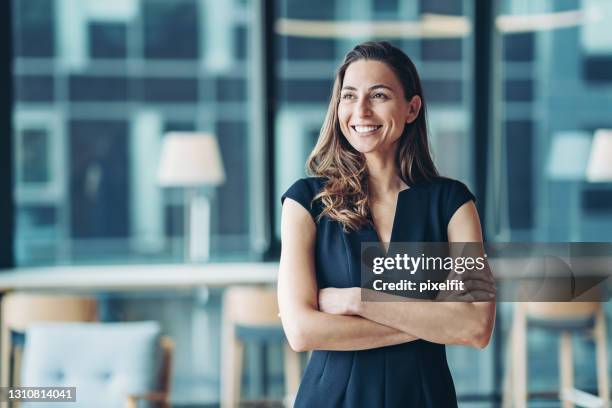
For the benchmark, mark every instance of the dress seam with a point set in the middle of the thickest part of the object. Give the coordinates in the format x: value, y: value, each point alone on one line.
x: 343, y: 399
x: 324, y: 365
x: 348, y: 257
x: 421, y: 384
x: 384, y: 398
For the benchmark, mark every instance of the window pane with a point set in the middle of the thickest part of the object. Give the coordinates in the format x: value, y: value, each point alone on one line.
x: 554, y: 80
x: 34, y: 161
x: 555, y: 93
x: 171, y: 29
x: 34, y: 88
x: 34, y: 21
x: 107, y: 40
x: 96, y: 89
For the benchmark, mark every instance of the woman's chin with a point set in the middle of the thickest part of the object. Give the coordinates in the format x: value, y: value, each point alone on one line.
x: 364, y: 150
x: 363, y: 146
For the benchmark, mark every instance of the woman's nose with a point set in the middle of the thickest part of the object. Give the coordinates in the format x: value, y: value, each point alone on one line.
x: 363, y: 107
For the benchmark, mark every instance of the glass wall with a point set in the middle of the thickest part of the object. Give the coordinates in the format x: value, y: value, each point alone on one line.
x: 554, y: 78
x: 553, y: 81
x: 97, y: 85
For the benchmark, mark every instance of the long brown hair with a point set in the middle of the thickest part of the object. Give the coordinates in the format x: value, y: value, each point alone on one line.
x: 345, y: 197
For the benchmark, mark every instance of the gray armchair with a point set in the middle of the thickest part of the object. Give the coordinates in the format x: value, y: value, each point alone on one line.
x: 110, y: 364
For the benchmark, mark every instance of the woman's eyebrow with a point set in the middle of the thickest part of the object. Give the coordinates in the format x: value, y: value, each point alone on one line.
x: 377, y: 86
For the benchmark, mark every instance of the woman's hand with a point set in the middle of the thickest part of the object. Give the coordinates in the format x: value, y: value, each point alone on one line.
x: 339, y: 301
x: 478, y: 286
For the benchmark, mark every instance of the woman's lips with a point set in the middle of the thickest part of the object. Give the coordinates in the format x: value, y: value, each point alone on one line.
x: 365, y: 130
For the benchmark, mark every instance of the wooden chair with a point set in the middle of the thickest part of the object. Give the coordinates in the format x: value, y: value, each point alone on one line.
x: 20, y: 309
x: 565, y: 318
x: 165, y: 382
x: 249, y: 310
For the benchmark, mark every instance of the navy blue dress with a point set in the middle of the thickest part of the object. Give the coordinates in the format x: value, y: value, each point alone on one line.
x: 413, y: 374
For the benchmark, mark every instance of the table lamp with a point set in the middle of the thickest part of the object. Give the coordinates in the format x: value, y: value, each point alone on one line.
x: 599, y: 168
x: 191, y: 160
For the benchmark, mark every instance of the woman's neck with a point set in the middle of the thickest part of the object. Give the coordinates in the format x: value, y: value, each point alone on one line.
x: 384, y: 177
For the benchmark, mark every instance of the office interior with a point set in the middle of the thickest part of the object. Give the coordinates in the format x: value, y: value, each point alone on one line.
x: 96, y: 229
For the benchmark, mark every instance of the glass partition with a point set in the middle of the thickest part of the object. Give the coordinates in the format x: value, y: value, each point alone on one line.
x: 97, y: 85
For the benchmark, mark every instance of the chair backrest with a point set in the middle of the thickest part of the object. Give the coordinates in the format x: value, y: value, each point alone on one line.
x: 21, y: 309
x: 106, y: 362
x: 561, y: 310
x: 251, y: 306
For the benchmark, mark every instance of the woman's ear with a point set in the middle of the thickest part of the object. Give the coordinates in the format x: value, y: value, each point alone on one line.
x: 414, y: 107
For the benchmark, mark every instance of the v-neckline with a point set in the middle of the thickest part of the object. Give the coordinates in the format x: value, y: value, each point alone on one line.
x: 373, y: 225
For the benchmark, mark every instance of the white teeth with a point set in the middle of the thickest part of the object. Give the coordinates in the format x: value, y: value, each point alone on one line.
x: 365, y: 129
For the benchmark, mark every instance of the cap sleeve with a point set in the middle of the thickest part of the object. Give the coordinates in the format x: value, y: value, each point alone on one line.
x: 457, y: 195
x: 302, y: 192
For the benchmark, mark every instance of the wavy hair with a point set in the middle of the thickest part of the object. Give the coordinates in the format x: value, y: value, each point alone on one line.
x: 344, y: 196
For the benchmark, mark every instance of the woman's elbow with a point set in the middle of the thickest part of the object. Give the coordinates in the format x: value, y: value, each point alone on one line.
x: 298, y: 336
x: 481, y: 340
x: 297, y: 340
x: 483, y: 328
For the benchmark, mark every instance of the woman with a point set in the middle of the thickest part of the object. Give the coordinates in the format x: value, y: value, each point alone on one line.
x: 375, y: 182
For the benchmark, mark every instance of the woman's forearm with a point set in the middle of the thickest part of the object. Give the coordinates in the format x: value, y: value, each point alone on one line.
x: 439, y: 322
x: 315, y: 330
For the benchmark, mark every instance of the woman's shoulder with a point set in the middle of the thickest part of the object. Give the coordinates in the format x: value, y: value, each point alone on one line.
x: 306, y: 185
x: 313, y: 183
x: 304, y: 191
x: 448, y: 195
x: 444, y: 185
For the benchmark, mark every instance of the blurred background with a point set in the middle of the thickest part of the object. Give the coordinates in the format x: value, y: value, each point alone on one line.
x: 516, y: 91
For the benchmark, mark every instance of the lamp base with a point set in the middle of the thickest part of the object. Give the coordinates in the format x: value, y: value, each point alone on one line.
x: 198, y: 229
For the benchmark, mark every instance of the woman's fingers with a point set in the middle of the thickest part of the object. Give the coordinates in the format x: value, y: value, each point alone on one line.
x: 484, y: 275
x: 472, y: 285
x: 480, y: 295
x: 474, y: 296
x: 476, y: 287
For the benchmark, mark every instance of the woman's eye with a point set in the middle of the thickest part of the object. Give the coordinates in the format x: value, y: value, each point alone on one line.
x: 347, y: 96
x: 380, y: 95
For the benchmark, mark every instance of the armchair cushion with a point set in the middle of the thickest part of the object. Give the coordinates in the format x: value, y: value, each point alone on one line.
x: 106, y: 362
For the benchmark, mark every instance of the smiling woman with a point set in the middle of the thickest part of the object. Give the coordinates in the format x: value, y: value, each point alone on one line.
x: 372, y: 116
x: 376, y: 110
x: 374, y: 181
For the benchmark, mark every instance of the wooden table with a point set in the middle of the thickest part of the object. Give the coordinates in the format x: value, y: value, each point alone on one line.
x: 137, y: 277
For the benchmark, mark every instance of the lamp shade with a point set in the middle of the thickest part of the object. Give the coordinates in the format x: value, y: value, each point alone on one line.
x: 569, y: 155
x: 190, y: 159
x: 600, y: 160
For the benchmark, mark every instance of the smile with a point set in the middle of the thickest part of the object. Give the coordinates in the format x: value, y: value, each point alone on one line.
x: 366, y: 129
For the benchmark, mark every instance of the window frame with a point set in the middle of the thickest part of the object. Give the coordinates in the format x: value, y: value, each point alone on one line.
x: 7, y: 206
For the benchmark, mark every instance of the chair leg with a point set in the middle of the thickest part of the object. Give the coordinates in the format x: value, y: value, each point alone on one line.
x: 131, y: 402
x: 601, y: 351
x: 231, y: 376
x: 566, y: 366
x: 16, y: 365
x: 237, y: 371
x: 508, y: 375
x: 5, y: 357
x: 519, y: 346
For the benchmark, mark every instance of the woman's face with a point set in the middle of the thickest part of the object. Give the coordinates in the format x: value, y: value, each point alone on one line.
x: 373, y: 110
